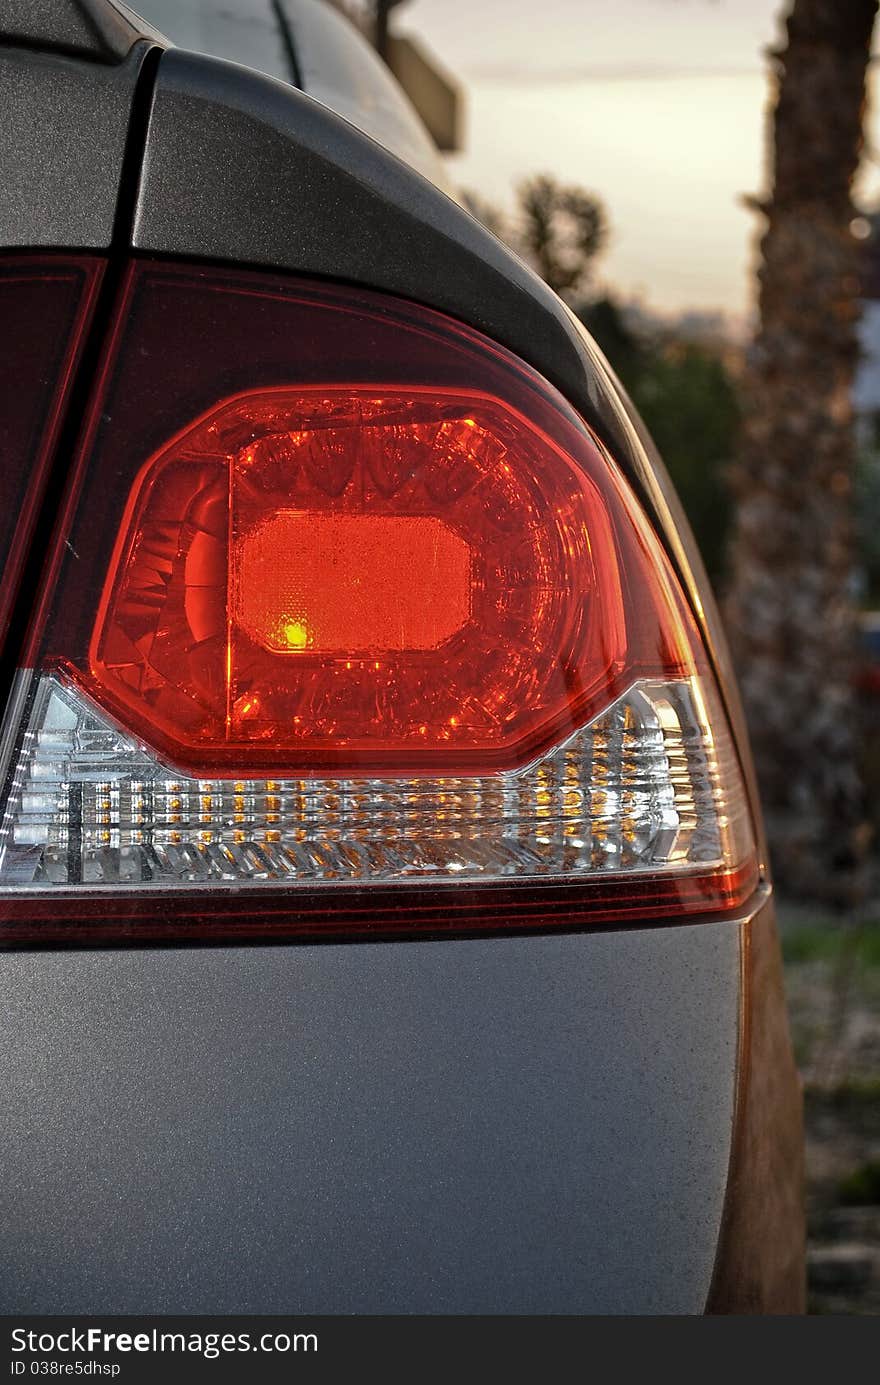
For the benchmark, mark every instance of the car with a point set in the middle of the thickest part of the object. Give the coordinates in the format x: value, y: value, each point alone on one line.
x: 387, y: 924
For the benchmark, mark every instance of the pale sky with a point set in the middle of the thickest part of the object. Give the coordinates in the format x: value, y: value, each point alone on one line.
x: 657, y: 105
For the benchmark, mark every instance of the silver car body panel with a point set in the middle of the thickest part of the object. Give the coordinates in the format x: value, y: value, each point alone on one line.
x: 513, y: 1125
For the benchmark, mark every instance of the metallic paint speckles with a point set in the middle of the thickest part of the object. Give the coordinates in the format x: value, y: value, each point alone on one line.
x: 510, y: 1125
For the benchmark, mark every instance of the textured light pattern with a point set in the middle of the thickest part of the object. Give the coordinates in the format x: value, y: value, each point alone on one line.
x: 361, y: 583
x: 638, y: 790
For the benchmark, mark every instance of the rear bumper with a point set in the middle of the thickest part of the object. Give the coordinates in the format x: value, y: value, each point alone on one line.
x: 527, y: 1125
x: 514, y: 1125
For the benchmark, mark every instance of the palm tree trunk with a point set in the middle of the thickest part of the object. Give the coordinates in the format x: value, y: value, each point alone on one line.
x: 790, y: 609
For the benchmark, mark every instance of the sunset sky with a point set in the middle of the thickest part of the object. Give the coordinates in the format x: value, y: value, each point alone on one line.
x: 657, y: 105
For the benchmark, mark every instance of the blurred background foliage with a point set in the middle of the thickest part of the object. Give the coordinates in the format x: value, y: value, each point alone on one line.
x: 685, y: 376
x: 681, y: 375
x: 687, y: 396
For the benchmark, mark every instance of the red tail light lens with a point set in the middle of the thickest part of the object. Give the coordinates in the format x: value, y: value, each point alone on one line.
x: 400, y: 580
x: 45, y: 308
x: 346, y: 594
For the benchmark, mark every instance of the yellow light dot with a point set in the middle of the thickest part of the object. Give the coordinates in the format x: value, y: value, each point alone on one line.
x: 296, y: 634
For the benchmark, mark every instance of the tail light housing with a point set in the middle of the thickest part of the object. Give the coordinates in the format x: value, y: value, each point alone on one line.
x: 352, y: 626
x: 45, y: 306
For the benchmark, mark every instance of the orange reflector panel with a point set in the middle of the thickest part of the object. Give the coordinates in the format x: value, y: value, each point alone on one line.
x: 350, y: 583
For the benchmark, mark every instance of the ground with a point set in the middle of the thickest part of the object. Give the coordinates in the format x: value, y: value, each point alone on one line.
x: 832, y: 974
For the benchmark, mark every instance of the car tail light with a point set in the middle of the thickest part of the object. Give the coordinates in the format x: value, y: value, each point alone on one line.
x: 45, y: 308
x: 352, y: 625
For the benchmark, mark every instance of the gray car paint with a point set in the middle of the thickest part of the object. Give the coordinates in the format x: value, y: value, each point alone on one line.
x: 102, y: 30
x: 336, y: 67
x: 314, y: 47
x: 64, y: 123
x: 532, y: 1125
x: 333, y: 203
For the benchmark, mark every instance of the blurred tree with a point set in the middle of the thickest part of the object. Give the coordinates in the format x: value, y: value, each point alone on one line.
x: 625, y: 348
x: 682, y: 389
x: 559, y: 229
x: 562, y: 230
x: 690, y: 406
x: 688, y: 400
x: 790, y: 607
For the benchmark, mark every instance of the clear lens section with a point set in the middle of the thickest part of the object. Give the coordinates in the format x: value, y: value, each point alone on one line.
x: 638, y: 790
